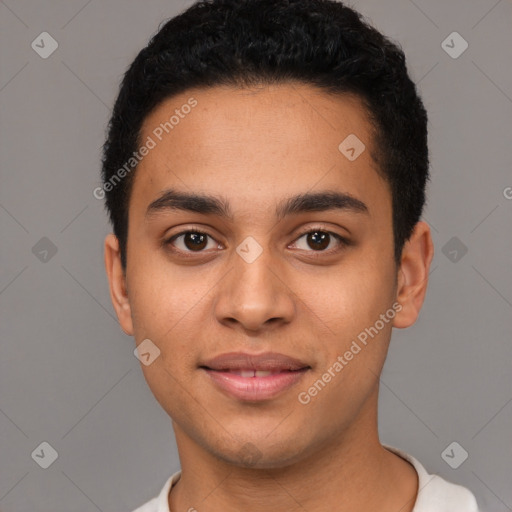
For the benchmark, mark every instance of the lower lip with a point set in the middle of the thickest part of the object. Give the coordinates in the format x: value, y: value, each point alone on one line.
x: 255, y: 388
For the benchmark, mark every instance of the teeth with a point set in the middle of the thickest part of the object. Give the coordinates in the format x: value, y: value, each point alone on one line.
x: 262, y: 373
x: 253, y: 373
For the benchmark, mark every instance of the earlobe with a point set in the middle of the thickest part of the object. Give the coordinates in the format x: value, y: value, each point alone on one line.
x: 413, y: 275
x: 117, y: 283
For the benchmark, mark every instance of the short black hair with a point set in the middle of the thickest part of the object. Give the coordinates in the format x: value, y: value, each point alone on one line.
x: 245, y: 43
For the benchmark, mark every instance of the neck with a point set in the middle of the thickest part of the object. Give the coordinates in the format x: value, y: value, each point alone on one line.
x: 354, y: 473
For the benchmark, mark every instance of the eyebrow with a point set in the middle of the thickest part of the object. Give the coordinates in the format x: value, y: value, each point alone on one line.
x: 211, y: 205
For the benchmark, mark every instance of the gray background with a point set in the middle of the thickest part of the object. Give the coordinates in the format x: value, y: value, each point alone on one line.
x: 68, y: 375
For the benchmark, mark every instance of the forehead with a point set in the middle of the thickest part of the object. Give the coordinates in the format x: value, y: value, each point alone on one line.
x: 264, y: 143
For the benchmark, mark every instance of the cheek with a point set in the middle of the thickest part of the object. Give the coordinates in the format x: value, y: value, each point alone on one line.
x: 167, y: 314
x: 170, y: 388
x: 159, y: 298
x: 171, y: 309
x: 349, y: 300
x: 350, y: 307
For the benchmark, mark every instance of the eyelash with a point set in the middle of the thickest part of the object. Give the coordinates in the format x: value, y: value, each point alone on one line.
x: 343, y: 242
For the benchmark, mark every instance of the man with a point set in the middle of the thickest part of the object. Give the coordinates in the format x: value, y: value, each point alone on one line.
x: 265, y: 174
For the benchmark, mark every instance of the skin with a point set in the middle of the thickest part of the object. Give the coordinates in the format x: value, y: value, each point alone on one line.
x: 254, y: 148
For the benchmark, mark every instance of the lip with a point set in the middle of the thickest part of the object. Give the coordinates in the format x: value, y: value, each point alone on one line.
x: 285, y: 372
x: 267, y: 361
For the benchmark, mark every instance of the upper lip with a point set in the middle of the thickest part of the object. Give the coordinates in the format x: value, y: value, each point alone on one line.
x: 270, y: 361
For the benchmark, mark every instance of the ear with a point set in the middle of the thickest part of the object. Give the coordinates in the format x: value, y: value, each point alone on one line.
x: 117, y: 283
x: 413, y: 275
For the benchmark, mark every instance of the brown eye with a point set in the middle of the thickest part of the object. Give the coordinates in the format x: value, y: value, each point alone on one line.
x: 195, y: 241
x: 320, y: 241
x: 190, y: 241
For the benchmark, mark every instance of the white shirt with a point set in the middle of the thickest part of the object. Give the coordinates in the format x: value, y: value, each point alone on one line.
x: 434, y: 493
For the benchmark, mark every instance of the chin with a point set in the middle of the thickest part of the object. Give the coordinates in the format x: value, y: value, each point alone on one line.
x: 259, y: 454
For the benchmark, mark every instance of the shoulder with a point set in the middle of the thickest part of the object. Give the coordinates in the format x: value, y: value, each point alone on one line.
x: 150, y: 506
x: 160, y: 503
x: 435, y: 494
x: 442, y: 496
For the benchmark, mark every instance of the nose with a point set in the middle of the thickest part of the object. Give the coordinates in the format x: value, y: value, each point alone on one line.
x: 254, y: 296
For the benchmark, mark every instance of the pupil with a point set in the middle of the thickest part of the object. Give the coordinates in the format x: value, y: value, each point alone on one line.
x: 319, y: 239
x: 198, y: 241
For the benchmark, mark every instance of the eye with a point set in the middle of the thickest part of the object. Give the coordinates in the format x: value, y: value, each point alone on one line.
x: 191, y: 241
x: 316, y: 240
x: 320, y: 240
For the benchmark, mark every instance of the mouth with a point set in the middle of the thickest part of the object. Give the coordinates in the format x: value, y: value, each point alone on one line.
x: 248, y: 373
x: 254, y: 378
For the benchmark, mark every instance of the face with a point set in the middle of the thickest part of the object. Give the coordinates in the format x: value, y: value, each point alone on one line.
x: 247, y: 268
